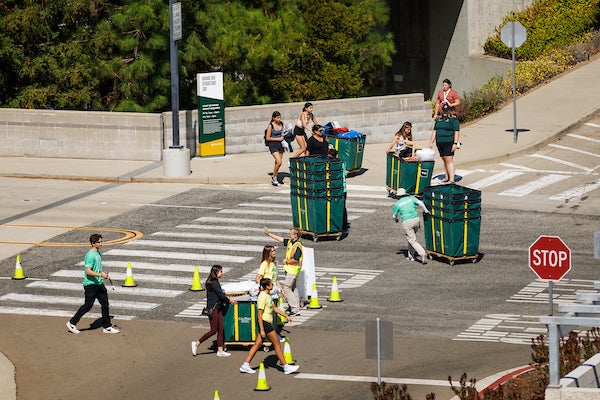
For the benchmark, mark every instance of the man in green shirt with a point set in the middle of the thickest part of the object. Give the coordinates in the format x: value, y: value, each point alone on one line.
x: 93, y: 285
x: 406, y: 207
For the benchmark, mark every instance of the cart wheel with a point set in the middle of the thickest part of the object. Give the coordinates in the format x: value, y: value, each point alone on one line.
x: 474, y: 260
x: 338, y: 237
x: 451, y: 262
x: 315, y: 238
x: 429, y: 257
x: 266, y: 349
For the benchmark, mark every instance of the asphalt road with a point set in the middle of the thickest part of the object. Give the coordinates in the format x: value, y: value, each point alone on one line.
x: 473, y: 317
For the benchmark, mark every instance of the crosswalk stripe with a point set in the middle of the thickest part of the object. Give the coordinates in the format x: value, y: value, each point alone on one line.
x: 38, y: 298
x: 234, y: 211
x: 578, y: 191
x: 530, y: 187
x: 592, y: 125
x: 563, y: 162
x: 204, y: 269
x: 215, y: 236
x: 197, y: 245
x: 494, y: 179
x: 179, y: 255
x: 134, y: 291
x: 515, y: 166
x: 587, y: 153
x: 231, y: 228
x: 57, y: 313
x: 349, y: 201
x: 241, y: 221
x: 265, y: 205
x: 171, y: 280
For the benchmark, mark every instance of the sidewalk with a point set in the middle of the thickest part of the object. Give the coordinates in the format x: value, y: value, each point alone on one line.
x: 547, y: 112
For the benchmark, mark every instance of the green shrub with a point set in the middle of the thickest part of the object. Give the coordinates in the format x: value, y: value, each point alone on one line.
x: 550, y: 24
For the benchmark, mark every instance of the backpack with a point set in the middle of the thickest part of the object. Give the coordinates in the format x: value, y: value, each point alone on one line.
x: 265, y: 137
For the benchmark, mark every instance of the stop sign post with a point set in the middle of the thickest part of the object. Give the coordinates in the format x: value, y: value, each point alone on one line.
x: 550, y: 259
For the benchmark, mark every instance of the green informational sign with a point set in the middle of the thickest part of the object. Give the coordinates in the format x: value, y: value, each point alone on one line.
x: 211, y: 114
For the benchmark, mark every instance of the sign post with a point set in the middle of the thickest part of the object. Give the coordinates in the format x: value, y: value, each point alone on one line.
x: 514, y: 35
x: 550, y: 259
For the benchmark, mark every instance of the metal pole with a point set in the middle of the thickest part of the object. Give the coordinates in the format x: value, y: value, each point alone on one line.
x: 174, y: 80
x: 378, y: 351
x: 514, y: 84
x: 551, y: 296
x: 553, y: 339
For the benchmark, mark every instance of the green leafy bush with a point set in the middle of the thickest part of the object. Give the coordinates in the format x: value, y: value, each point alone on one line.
x: 550, y: 24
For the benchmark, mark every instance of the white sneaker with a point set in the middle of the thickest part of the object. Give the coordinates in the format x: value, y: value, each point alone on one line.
x: 194, y: 348
x: 274, y: 181
x: 111, y: 329
x: 246, y: 368
x: 72, y: 327
x: 223, y: 354
x: 290, y: 369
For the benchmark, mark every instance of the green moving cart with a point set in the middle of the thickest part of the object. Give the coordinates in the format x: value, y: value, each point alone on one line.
x: 240, y: 324
x: 452, y: 229
x: 350, y: 147
x: 413, y: 176
x: 317, y: 196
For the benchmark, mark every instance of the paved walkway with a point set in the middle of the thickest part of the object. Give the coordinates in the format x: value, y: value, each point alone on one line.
x: 547, y: 112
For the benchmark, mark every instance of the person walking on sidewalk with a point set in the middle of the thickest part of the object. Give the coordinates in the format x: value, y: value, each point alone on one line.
x: 266, y: 308
x: 218, y: 302
x: 406, y: 207
x: 445, y: 135
x: 292, y: 264
x: 274, y: 138
x: 93, y: 286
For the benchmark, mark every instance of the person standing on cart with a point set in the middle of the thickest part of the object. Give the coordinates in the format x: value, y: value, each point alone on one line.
x: 266, y: 308
x: 292, y: 265
x: 445, y: 135
x: 218, y: 302
x: 406, y: 207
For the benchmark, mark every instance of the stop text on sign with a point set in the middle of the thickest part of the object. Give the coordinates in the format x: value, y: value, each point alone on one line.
x: 550, y: 258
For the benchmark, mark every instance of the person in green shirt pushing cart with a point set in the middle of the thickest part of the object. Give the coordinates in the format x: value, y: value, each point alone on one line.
x: 406, y: 207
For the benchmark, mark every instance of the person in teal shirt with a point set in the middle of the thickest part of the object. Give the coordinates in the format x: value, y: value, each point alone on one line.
x: 445, y: 135
x: 406, y: 207
x: 93, y: 286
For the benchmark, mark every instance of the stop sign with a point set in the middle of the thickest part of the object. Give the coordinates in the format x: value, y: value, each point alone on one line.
x: 549, y: 258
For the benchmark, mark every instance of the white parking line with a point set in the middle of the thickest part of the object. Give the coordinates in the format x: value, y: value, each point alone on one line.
x: 587, y: 153
x: 563, y: 162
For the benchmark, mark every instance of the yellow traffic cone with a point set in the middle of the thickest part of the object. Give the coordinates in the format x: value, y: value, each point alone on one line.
x: 287, y: 352
x: 334, y: 296
x: 18, y: 269
x: 129, y: 282
x: 196, y: 285
x: 261, y: 384
x: 314, y: 299
x: 282, y: 319
x: 216, y: 395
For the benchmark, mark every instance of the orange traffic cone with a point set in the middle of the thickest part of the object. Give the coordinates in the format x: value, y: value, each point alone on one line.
x: 261, y: 384
x: 18, y: 269
x: 196, y: 285
x: 129, y: 282
x: 334, y: 296
x: 314, y: 299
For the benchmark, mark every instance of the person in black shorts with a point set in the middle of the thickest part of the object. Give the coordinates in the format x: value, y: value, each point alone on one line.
x: 274, y: 137
x: 301, y: 127
x: 445, y: 136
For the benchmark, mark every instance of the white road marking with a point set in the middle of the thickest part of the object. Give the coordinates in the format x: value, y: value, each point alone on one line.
x: 267, y: 213
x: 204, y: 269
x: 563, y: 162
x: 175, y: 206
x: 592, y: 125
x: 216, y: 236
x: 355, y: 378
x: 134, y: 291
x: 118, y: 276
x: 575, y: 192
x: 57, y: 313
x: 30, y: 298
x: 265, y: 205
x: 523, y: 190
x: 494, y: 179
x: 197, y: 245
x: 587, y: 153
x: 231, y: 228
x: 242, y: 221
x: 179, y: 256
x: 515, y: 166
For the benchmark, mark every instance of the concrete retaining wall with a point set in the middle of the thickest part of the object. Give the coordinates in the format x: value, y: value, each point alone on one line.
x: 583, y: 383
x: 138, y: 136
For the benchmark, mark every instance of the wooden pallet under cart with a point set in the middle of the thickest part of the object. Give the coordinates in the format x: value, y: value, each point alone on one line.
x: 317, y: 236
x: 451, y: 260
